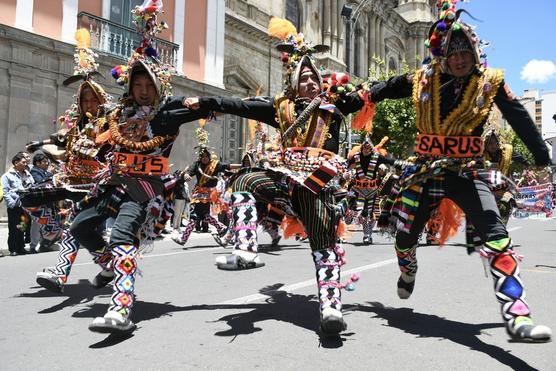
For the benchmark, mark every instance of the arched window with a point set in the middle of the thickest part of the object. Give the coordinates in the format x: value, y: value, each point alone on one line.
x: 293, y: 13
x: 392, y: 66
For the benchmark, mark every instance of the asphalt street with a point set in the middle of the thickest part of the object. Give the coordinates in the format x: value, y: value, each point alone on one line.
x: 192, y: 316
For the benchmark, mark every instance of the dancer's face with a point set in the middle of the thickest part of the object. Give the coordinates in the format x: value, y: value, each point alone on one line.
x: 143, y: 90
x: 308, y: 84
x: 492, y: 145
x: 89, y: 102
x: 205, y: 158
x: 460, y: 63
x: 366, y: 149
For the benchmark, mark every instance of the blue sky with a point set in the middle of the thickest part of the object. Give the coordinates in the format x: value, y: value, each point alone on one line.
x: 522, y: 36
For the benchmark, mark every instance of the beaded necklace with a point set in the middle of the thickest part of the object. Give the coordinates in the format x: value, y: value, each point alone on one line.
x: 117, y: 116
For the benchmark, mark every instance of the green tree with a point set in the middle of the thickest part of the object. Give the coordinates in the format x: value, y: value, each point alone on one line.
x: 509, y: 136
x: 394, y: 118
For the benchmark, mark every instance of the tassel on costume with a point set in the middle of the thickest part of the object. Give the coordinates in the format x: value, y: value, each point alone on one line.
x: 364, y: 119
x: 448, y: 217
x: 292, y: 227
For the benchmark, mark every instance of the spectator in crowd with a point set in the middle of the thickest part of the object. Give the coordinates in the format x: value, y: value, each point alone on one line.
x: 40, y: 174
x: 15, y: 179
x: 27, y: 231
x: 181, y: 196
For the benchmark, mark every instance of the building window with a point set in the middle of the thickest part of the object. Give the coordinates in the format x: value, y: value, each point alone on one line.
x: 293, y: 13
x: 231, y: 151
x: 120, y: 11
x: 392, y: 67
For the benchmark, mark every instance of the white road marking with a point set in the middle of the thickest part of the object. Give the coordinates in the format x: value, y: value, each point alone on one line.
x: 514, y: 229
x: 166, y: 254
x: 299, y: 285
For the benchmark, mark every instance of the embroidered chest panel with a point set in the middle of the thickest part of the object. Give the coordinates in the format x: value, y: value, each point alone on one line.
x: 472, y: 110
x: 316, y: 128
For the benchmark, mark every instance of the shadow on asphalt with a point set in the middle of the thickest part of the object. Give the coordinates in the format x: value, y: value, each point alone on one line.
x: 431, y: 326
x: 76, y: 293
x: 359, y: 244
x: 298, y: 310
x: 111, y: 340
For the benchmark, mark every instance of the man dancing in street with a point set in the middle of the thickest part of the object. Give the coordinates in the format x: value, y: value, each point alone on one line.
x: 453, y: 95
x: 142, y: 129
x: 305, y: 175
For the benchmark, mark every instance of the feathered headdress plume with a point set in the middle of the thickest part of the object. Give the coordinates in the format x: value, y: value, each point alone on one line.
x: 84, y: 58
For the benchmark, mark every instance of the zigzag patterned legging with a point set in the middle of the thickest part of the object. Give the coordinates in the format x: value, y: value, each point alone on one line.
x: 316, y: 211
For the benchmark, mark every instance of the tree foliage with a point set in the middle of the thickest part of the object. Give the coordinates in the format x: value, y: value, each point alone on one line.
x: 509, y: 136
x: 394, y: 118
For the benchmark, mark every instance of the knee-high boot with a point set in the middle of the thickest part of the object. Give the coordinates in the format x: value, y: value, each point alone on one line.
x: 186, y: 233
x: 407, y: 262
x: 54, y: 279
x: 368, y: 225
x: 215, y: 223
x: 244, y: 219
x: 117, y: 319
x: 125, y: 265
x: 66, y: 256
x: 327, y: 265
x: 510, y: 292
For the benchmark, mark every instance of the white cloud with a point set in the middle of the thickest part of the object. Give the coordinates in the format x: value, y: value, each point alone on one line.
x: 538, y: 72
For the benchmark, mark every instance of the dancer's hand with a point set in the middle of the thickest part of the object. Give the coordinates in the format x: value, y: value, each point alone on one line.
x: 33, y: 146
x: 191, y: 103
x: 187, y: 177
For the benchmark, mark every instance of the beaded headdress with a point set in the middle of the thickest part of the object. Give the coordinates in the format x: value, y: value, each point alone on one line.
x: 202, y: 135
x: 84, y: 58
x: 296, y: 52
x: 145, y: 56
x: 449, y: 34
x: 85, y: 68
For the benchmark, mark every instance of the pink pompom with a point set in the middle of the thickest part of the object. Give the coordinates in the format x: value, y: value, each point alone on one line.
x: 340, y: 251
x: 355, y: 277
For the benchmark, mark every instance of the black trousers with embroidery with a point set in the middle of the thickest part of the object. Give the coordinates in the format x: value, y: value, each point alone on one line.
x: 316, y: 211
x: 472, y: 196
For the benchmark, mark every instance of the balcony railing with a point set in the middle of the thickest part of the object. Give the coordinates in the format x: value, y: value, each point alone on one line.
x: 120, y: 41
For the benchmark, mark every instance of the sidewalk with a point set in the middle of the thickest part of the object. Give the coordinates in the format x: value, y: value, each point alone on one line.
x: 4, y: 251
x: 4, y: 239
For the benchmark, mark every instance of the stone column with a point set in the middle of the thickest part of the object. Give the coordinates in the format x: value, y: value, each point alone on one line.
x: 382, y: 45
x: 372, y: 35
x: 326, y: 18
x: 377, y: 36
x: 334, y: 28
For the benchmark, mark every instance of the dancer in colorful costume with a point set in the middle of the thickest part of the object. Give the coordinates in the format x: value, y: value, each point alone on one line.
x: 366, y: 160
x: 142, y: 129
x: 75, y: 142
x: 303, y: 178
x: 453, y: 95
x: 206, y: 170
